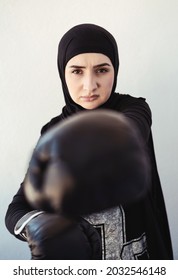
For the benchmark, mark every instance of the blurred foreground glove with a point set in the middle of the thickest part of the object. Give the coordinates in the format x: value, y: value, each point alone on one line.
x: 55, y: 237
x: 90, y: 162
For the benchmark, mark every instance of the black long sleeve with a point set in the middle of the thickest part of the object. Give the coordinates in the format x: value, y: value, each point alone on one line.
x: 16, y: 210
x: 138, y: 111
x: 19, y: 205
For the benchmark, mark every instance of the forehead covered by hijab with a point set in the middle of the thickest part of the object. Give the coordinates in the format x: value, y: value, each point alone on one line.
x: 85, y: 38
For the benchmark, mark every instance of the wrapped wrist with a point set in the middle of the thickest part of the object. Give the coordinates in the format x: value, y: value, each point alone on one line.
x: 20, y: 225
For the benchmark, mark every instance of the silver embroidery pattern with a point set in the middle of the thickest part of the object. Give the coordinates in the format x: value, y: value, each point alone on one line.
x: 113, y: 235
x: 133, y: 249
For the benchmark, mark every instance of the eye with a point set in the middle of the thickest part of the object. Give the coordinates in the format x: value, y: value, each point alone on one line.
x: 77, y: 71
x: 102, y: 70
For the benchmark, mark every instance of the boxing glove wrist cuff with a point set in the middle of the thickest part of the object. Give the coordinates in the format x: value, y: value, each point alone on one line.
x: 20, y: 225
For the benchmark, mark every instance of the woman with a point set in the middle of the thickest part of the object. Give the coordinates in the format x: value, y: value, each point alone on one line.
x: 88, y: 66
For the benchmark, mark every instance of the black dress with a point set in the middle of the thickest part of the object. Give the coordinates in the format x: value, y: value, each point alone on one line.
x: 139, y: 231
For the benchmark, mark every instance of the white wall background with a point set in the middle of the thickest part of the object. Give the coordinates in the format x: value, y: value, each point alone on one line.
x: 30, y: 92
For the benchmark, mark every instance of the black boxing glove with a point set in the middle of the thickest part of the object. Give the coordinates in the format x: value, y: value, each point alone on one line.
x: 91, y: 161
x: 55, y: 184
x: 55, y: 237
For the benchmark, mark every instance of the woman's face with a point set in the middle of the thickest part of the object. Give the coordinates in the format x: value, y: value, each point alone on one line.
x: 89, y: 78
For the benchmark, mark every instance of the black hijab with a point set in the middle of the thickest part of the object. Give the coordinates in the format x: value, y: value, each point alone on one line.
x: 86, y: 38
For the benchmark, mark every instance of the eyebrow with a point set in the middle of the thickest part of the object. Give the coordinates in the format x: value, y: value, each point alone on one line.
x: 96, y: 66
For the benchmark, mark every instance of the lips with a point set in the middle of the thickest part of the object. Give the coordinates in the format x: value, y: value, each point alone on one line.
x: 89, y: 98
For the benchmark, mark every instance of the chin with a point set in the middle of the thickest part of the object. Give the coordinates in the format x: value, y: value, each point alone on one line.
x: 92, y: 106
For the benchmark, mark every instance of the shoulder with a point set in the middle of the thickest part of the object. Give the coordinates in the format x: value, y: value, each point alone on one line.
x: 51, y: 123
x: 129, y: 99
x: 137, y: 110
x: 128, y: 102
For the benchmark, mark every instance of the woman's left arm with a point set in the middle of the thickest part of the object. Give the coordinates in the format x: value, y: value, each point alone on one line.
x: 139, y: 112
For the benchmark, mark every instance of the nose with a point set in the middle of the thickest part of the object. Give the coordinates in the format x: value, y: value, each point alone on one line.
x: 89, y: 83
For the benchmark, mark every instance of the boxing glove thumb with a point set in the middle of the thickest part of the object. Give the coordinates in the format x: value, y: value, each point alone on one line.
x: 52, y: 236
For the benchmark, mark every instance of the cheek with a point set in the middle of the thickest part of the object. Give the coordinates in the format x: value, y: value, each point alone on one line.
x: 108, y: 83
x: 111, y: 83
x: 72, y: 86
x: 68, y: 82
